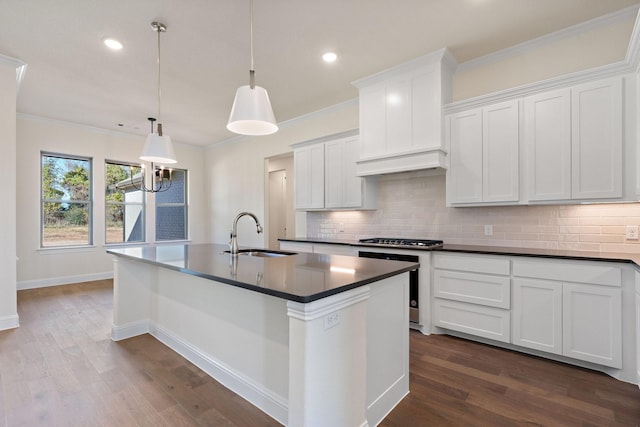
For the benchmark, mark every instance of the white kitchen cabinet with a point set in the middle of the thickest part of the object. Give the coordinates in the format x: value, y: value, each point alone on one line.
x: 296, y: 246
x: 586, y: 296
x: 325, y: 176
x: 309, y: 176
x: 592, y: 324
x: 537, y: 314
x: 472, y: 294
x: 483, y: 150
x: 574, y: 142
x: 547, y: 138
x: 343, y: 189
x: 596, y: 140
x: 401, y: 115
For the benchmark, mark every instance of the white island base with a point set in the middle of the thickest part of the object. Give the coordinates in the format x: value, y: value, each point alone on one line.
x: 342, y: 360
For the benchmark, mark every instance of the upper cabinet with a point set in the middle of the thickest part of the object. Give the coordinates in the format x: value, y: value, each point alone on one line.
x: 325, y: 175
x: 401, y: 115
x: 483, y: 150
x: 574, y: 142
x: 568, y: 145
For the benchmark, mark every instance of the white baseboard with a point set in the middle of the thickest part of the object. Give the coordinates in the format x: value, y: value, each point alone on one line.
x: 67, y: 280
x: 129, y: 330
x: 272, y: 404
x: 9, y: 322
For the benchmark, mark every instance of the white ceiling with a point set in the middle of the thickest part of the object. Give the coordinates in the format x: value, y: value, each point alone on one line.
x: 72, y: 77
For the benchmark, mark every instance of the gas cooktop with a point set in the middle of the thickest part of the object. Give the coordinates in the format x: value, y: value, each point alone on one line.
x: 401, y: 242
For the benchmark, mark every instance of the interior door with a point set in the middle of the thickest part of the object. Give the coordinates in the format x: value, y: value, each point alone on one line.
x: 277, y: 207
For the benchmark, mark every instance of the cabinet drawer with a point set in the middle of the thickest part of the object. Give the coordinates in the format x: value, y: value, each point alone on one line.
x: 472, y: 263
x: 483, y: 289
x: 592, y: 273
x: 486, y: 322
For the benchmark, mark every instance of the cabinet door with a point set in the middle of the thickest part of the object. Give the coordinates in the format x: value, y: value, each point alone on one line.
x: 309, y: 177
x: 592, y: 324
x: 596, y: 140
x: 547, y: 138
x: 465, y: 151
x: 334, y: 179
x: 537, y: 315
x: 352, y: 184
x: 500, y: 139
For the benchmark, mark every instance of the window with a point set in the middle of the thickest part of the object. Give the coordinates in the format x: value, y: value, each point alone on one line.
x: 171, y: 209
x: 124, y: 203
x: 65, y: 200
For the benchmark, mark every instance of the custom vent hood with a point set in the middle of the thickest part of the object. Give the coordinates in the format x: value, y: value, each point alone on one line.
x: 401, y: 115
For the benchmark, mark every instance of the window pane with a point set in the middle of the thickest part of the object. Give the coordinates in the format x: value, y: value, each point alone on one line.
x: 65, y: 179
x: 171, y: 223
x: 65, y: 224
x: 175, y: 193
x: 125, y: 223
x: 66, y: 200
x: 124, y: 203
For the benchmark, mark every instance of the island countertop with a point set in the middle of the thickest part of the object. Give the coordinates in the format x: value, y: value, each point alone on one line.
x: 303, y: 277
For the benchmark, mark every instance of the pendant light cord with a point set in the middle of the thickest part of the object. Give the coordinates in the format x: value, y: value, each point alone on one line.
x: 252, y: 73
x: 159, y: 30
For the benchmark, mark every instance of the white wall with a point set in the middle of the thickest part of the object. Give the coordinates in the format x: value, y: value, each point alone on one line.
x: 236, y: 170
x: 41, y: 267
x: 8, y: 88
x: 568, y: 51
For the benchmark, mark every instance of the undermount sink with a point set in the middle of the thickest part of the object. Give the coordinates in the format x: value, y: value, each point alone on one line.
x: 265, y: 253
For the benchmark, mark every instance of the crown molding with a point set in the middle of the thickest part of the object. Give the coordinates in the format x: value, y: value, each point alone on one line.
x: 20, y: 66
x: 593, y: 24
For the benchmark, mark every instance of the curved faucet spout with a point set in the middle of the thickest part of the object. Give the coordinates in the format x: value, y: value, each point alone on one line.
x: 233, y: 243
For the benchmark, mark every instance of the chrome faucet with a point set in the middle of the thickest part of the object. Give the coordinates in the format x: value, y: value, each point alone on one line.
x: 233, y: 243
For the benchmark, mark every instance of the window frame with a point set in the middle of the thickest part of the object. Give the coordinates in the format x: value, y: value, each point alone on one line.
x: 184, y: 204
x: 111, y: 203
x: 89, y: 202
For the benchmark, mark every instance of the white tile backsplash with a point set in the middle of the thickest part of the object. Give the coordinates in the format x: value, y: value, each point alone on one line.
x: 412, y: 205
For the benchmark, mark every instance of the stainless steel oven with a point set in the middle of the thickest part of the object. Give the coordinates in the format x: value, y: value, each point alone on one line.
x: 414, y: 288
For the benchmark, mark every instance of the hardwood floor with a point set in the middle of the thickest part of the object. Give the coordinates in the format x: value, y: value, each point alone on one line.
x: 60, y: 368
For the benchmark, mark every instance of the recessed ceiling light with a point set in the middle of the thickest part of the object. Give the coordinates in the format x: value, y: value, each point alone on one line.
x: 113, y: 44
x: 329, y: 57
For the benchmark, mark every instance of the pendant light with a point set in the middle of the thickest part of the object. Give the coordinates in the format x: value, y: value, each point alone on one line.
x: 251, y: 113
x: 158, y: 147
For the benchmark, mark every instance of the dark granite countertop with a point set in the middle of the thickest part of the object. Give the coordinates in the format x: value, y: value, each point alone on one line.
x: 303, y: 277
x: 497, y: 250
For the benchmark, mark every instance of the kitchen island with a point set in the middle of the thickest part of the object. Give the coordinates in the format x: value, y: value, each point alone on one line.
x: 311, y: 339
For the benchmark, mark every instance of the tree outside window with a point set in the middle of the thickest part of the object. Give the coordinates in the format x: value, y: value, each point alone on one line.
x: 65, y: 200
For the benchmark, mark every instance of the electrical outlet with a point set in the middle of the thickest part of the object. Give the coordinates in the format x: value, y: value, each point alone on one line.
x: 331, y: 320
x: 488, y: 230
x: 341, y: 227
x: 632, y: 232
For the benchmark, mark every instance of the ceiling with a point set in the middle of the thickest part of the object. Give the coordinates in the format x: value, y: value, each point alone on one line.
x: 72, y: 76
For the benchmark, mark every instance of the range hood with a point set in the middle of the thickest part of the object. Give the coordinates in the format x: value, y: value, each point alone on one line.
x: 401, y: 115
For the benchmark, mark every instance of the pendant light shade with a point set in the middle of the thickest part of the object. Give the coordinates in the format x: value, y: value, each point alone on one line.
x: 251, y: 113
x: 158, y: 148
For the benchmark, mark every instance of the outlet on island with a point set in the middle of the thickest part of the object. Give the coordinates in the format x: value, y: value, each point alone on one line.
x: 632, y: 232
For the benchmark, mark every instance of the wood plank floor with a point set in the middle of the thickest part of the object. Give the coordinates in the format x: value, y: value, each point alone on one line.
x: 60, y: 368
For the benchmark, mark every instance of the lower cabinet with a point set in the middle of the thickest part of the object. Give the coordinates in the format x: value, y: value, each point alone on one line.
x: 592, y: 324
x: 566, y: 308
x: 537, y: 315
x: 472, y: 295
x: 578, y: 314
